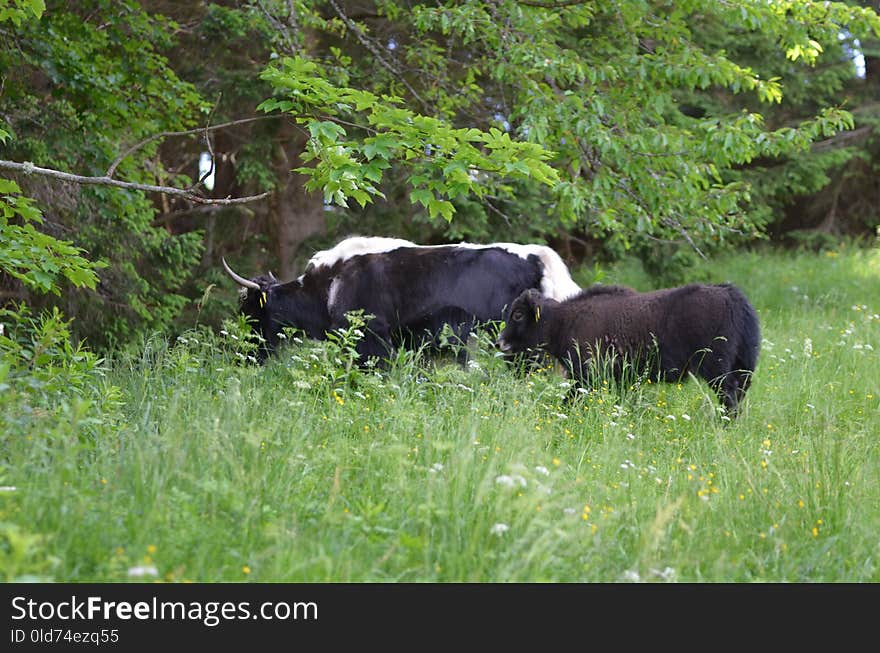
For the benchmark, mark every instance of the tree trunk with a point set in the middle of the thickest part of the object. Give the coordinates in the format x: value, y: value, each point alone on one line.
x: 295, y: 213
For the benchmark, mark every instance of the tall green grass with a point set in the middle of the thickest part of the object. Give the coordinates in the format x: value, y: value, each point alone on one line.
x: 307, y: 469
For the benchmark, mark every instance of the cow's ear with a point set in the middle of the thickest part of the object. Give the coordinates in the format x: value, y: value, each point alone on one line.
x: 533, y: 301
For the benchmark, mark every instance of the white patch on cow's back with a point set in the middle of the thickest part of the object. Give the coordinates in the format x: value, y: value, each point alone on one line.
x: 556, y: 281
x: 355, y: 246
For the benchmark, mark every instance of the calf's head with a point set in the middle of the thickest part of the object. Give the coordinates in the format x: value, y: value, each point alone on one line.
x: 523, y: 329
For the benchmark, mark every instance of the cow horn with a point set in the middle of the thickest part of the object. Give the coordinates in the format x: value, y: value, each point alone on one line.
x: 272, y: 276
x: 241, y: 281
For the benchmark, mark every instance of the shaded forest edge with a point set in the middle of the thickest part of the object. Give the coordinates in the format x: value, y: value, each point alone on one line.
x: 627, y: 130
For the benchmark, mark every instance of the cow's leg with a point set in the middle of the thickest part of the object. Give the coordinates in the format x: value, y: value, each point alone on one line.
x: 462, y: 323
x: 716, y: 367
x: 376, y: 342
x: 432, y: 333
x: 580, y: 372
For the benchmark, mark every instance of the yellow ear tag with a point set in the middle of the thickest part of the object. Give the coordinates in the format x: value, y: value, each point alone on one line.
x: 537, y: 313
x: 262, y: 299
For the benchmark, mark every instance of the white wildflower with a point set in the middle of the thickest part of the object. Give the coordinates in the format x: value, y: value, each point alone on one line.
x: 631, y: 576
x: 808, y: 347
x: 630, y: 436
x: 543, y: 471
x: 499, y: 529
x: 510, y: 481
x: 143, y: 570
x: 8, y: 488
x: 668, y: 574
x: 686, y: 417
x: 436, y: 467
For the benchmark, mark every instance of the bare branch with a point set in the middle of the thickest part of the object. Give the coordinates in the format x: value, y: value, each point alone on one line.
x: 374, y: 49
x: 210, y: 170
x: 189, y: 132
x: 843, y: 139
x: 29, y: 168
x: 675, y: 224
x: 553, y: 5
x: 498, y: 211
x: 284, y: 29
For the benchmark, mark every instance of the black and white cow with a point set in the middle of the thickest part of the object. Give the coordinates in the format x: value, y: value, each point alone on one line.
x: 412, y: 291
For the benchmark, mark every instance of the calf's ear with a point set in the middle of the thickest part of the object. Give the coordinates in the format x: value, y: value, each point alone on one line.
x: 533, y: 300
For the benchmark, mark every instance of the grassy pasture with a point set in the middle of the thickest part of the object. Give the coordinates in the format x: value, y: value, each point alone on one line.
x: 182, y: 464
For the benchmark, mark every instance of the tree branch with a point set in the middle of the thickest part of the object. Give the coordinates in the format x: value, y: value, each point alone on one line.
x: 284, y: 29
x: 189, y: 132
x: 374, y: 49
x: 29, y: 168
x: 843, y: 139
x: 553, y: 5
x: 210, y: 169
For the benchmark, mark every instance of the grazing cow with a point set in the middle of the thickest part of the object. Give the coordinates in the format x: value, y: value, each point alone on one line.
x: 710, y: 330
x: 412, y: 291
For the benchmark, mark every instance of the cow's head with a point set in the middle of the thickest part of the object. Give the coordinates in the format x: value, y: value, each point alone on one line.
x: 254, y: 293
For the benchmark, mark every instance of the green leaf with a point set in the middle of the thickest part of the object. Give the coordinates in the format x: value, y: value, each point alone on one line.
x: 421, y: 196
x: 441, y: 207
